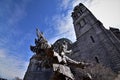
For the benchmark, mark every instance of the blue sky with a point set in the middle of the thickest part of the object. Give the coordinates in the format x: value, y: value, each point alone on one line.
x: 20, y: 18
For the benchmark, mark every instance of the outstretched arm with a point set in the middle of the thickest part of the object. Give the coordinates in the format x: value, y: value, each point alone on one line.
x: 76, y: 64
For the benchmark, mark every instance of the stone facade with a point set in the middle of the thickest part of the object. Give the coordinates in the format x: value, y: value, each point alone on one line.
x: 94, y: 42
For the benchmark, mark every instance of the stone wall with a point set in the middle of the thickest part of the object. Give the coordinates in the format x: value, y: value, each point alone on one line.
x: 94, y: 43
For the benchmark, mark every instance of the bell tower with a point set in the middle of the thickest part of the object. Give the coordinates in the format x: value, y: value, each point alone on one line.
x: 83, y: 19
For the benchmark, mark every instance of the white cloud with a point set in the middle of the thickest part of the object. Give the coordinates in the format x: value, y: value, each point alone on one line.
x: 107, y: 11
x: 11, y: 63
x: 64, y: 4
x: 11, y: 66
x: 17, y: 13
x: 63, y: 22
x: 64, y: 27
x: 2, y: 53
x: 16, y: 16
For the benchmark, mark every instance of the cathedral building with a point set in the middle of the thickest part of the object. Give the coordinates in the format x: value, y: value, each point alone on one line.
x: 93, y: 44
